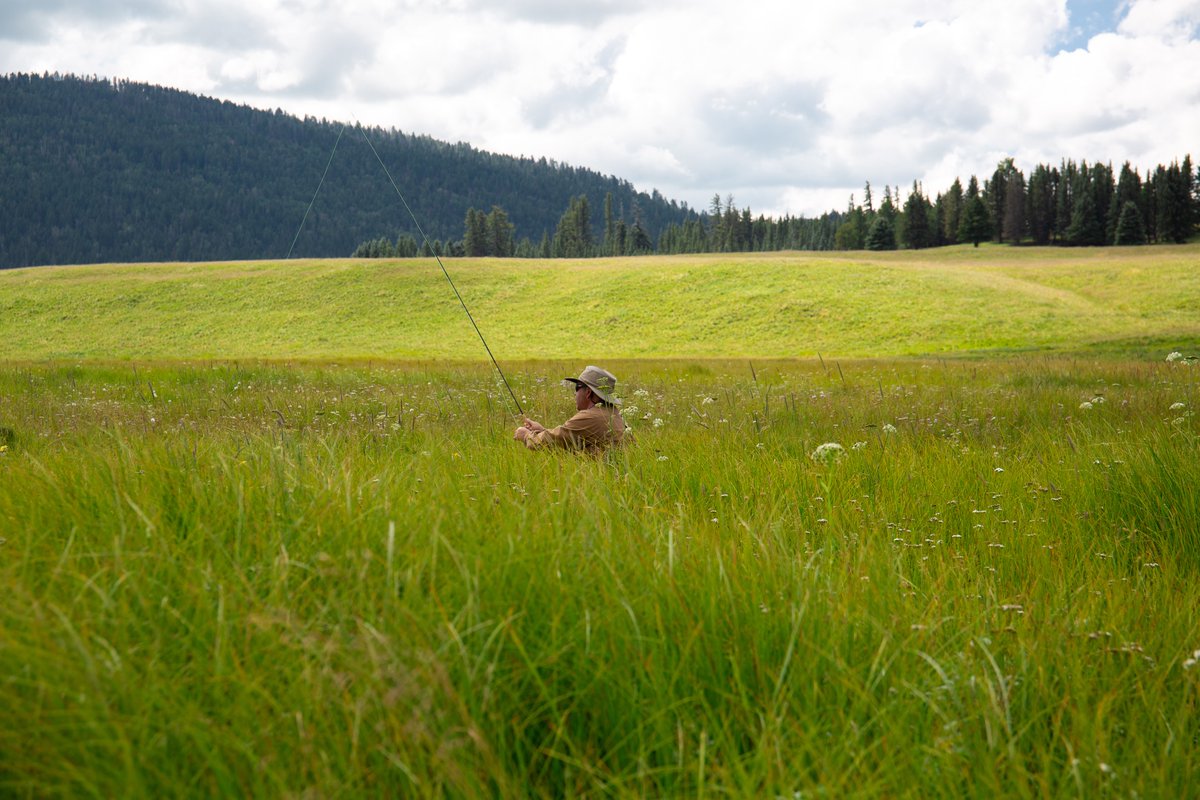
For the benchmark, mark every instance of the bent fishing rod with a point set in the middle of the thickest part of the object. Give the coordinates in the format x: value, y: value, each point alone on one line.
x: 425, y: 241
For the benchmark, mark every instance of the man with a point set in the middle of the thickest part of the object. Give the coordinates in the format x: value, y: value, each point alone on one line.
x: 595, y: 426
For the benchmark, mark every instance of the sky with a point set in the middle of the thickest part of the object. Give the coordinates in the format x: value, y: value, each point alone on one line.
x: 787, y: 106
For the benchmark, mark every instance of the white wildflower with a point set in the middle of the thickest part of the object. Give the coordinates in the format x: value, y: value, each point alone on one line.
x: 1085, y: 406
x: 631, y: 410
x: 858, y: 445
x: 662, y: 458
x: 1174, y: 355
x: 1178, y: 406
x: 1193, y: 661
x: 1105, y: 768
x: 830, y: 451
x: 1098, y: 399
x: 998, y: 469
x: 889, y: 427
x: 658, y: 423
x: 640, y: 393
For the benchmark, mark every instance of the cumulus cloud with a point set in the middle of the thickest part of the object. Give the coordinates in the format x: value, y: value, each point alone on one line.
x: 788, y: 106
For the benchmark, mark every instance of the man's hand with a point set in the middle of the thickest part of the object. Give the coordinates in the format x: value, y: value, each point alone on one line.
x: 520, y: 433
x: 534, y: 427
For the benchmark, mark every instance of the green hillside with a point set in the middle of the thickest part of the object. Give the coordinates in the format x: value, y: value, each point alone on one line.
x: 777, y: 305
x: 124, y: 171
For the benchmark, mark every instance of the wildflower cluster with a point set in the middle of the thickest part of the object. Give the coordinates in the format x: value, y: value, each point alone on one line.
x: 830, y: 451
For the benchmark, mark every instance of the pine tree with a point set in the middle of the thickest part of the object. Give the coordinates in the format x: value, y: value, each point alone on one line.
x: 500, y: 233
x: 917, y: 234
x: 852, y: 233
x: 1064, y: 199
x: 951, y: 212
x: 610, y: 226
x: 974, y: 226
x: 573, y: 236
x: 1040, y: 203
x: 1129, y: 190
x: 475, y: 237
x: 1087, y: 227
x: 1130, y: 228
x: 882, y: 235
x: 994, y: 192
x: 1014, y: 206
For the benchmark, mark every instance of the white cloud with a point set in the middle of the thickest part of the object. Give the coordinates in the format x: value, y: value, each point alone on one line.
x: 789, y: 106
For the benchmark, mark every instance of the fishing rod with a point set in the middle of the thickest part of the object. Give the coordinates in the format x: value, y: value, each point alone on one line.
x: 428, y: 246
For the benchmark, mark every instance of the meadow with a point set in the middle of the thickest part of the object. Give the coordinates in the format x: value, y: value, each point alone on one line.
x: 307, y: 576
x: 768, y: 305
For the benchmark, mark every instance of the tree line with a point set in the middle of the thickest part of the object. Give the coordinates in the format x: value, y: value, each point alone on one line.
x: 1072, y: 204
x: 724, y: 228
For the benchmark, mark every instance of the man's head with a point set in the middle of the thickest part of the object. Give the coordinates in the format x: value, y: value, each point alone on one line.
x: 594, y: 385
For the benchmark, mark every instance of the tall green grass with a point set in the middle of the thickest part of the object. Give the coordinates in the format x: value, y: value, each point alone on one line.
x: 290, y: 580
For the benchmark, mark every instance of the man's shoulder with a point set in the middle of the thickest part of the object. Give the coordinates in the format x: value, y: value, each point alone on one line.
x: 598, y: 412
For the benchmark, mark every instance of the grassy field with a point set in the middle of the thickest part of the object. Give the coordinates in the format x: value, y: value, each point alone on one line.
x: 301, y: 578
x: 781, y: 305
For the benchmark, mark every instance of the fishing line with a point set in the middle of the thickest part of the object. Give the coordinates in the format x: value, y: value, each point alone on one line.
x: 429, y: 247
x: 318, y: 191
x: 425, y: 241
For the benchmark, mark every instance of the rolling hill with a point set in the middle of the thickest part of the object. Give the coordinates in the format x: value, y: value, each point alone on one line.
x: 954, y: 300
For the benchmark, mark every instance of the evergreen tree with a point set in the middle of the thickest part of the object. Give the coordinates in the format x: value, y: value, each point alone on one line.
x: 475, y: 238
x: 917, y: 233
x: 610, y: 226
x: 1040, y: 203
x: 1129, y: 190
x: 500, y: 233
x: 1014, y: 206
x: 887, y: 209
x: 1130, y: 228
x: 852, y: 234
x: 882, y: 235
x: 1064, y: 198
x: 993, y: 197
x: 1104, y: 190
x: 974, y: 226
x: 1087, y: 227
x: 573, y: 236
x: 716, y: 214
x: 406, y: 246
x: 951, y: 212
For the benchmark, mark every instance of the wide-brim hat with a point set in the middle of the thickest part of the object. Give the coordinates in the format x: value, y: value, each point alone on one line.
x: 600, y: 381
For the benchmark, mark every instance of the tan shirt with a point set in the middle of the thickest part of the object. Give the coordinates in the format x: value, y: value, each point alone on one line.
x: 592, y: 429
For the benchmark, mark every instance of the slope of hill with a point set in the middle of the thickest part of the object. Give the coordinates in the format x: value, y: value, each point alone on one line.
x: 97, y: 171
x: 773, y: 305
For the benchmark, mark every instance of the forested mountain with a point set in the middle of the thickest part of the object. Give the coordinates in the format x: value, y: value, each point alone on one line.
x: 93, y: 170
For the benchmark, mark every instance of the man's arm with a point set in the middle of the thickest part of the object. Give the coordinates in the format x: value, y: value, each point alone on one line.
x: 569, y: 435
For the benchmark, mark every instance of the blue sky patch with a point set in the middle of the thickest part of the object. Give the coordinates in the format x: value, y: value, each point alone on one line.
x: 1088, y: 18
